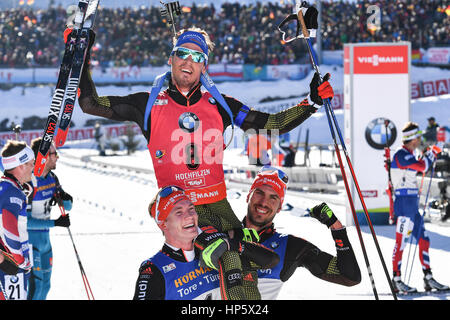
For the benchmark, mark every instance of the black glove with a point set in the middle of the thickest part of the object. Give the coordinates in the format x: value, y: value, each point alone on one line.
x: 245, y: 241
x: 324, y: 214
x: 9, y: 265
x: 60, y: 194
x: 246, y: 234
x: 212, y: 244
x: 320, y: 89
x: 62, y: 221
x: 310, y: 18
x: 66, y: 197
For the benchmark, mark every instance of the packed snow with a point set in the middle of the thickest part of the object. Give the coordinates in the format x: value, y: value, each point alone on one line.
x: 113, y: 234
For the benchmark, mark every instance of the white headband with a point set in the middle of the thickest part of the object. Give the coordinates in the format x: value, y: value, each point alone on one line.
x: 411, y: 134
x: 18, y: 159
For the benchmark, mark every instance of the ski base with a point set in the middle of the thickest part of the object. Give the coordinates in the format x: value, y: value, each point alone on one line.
x: 424, y: 293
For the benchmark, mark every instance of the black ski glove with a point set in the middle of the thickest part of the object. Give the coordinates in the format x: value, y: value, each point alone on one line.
x: 212, y: 244
x: 320, y: 90
x: 62, y: 221
x: 60, y: 194
x: 245, y: 241
x: 8, y: 265
x: 324, y: 214
x: 246, y: 234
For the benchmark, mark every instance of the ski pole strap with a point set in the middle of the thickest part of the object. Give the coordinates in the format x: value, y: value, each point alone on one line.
x: 206, y: 82
x: 243, y: 112
x: 156, y: 88
x: 212, y: 89
x: 60, y: 203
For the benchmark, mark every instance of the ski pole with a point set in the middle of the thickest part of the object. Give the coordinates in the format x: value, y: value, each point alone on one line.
x: 420, y: 227
x: 86, y: 284
x: 390, y: 190
x: 350, y: 199
x: 410, y: 240
x: 3, y: 292
x: 421, y: 184
x: 329, y: 111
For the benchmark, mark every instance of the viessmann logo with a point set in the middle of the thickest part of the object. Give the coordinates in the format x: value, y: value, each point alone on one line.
x: 381, y: 59
x: 375, y: 60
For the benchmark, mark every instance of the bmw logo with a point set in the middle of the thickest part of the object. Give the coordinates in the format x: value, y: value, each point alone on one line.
x: 381, y: 133
x: 274, y: 245
x: 188, y: 122
x: 212, y: 100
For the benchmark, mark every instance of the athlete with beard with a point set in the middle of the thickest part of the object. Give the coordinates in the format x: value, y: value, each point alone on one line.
x: 47, y: 191
x: 265, y: 200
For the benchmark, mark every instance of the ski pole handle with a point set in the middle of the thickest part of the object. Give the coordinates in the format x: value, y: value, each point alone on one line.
x: 302, y: 24
x: 60, y: 203
x: 312, y: 54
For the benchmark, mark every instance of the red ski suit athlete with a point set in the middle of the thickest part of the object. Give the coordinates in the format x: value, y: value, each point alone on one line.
x: 186, y: 146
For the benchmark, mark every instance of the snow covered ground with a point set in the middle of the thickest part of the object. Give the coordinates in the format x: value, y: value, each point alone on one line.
x: 113, y: 234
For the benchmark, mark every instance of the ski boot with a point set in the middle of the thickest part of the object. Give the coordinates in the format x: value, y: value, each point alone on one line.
x: 401, y: 287
x: 429, y: 283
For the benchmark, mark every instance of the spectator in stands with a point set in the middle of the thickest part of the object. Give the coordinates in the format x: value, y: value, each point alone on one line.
x: 430, y: 135
x: 130, y: 36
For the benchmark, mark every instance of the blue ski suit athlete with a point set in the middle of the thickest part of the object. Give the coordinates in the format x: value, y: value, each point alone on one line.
x: 39, y: 223
x: 171, y: 275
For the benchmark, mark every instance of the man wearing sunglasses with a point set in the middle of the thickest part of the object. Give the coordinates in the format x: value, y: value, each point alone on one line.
x: 47, y: 192
x: 182, y: 270
x: 265, y: 200
x: 184, y: 129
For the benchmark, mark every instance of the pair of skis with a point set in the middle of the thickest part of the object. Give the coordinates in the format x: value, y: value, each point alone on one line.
x: 68, y: 81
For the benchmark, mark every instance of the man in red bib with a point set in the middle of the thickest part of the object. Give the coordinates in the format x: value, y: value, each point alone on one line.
x: 184, y: 129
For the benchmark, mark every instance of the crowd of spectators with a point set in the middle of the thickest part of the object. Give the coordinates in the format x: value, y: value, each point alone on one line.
x: 242, y: 33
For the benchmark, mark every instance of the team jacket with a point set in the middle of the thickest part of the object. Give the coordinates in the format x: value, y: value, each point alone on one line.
x: 404, y: 168
x: 295, y: 252
x: 169, y: 276
x: 39, y: 208
x: 13, y: 219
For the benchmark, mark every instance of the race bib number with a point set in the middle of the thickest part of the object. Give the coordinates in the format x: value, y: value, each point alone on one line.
x: 404, y: 226
x: 15, y: 287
